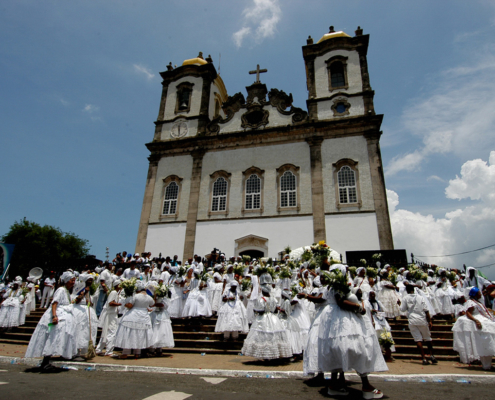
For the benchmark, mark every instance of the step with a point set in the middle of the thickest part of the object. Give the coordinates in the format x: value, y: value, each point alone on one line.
x: 413, y: 349
x: 194, y: 321
x: 14, y: 341
x: 191, y: 328
x: 208, y: 344
x: 203, y: 336
x: 438, y: 328
x: 199, y: 351
x: 401, y: 356
x: 410, y: 341
x: 434, y: 334
x: 16, y: 336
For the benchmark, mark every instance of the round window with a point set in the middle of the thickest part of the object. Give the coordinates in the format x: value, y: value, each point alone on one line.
x: 341, y: 108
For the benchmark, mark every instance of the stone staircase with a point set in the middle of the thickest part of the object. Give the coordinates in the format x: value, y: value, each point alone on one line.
x: 193, y: 336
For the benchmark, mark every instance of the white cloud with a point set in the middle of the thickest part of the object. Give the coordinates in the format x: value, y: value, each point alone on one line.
x: 456, y: 116
x: 143, y: 70
x: 91, y: 108
x: 262, y: 17
x: 460, y: 230
x: 434, y: 178
x: 64, y: 102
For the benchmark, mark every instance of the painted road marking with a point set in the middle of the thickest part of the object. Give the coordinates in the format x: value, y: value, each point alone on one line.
x: 214, y: 381
x: 3, y: 383
x: 173, y: 395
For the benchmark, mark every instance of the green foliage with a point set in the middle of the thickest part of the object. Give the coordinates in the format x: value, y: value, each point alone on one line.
x: 44, y: 246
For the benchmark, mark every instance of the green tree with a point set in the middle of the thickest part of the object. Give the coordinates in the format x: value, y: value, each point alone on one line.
x: 45, y: 246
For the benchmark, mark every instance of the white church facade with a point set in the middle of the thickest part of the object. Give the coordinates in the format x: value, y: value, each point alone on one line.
x: 254, y: 174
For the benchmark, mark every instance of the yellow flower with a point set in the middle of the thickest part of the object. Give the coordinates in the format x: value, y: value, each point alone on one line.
x: 321, y: 242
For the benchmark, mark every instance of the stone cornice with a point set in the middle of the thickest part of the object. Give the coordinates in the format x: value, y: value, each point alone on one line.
x: 206, y: 70
x: 359, y: 43
x: 351, y: 126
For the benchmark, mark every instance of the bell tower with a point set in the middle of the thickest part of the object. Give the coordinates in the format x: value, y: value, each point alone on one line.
x: 337, y: 76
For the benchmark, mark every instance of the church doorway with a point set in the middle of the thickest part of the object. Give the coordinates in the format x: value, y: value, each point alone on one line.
x: 252, y: 253
x: 251, y: 245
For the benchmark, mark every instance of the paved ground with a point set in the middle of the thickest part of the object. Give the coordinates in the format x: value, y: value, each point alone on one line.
x: 228, y: 362
x: 18, y: 382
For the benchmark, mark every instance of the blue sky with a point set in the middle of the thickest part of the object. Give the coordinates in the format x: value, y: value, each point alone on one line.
x: 80, y: 90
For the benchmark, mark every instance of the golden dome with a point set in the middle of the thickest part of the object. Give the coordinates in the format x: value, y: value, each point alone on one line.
x: 199, y: 60
x: 332, y: 34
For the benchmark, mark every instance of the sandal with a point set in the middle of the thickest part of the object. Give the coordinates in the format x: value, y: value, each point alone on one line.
x: 123, y: 357
x: 375, y: 394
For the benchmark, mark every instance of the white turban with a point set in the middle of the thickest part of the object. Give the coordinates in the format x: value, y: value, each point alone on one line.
x: 339, y: 267
x: 66, y: 276
x: 117, y: 282
x: 85, y: 277
x: 139, y: 286
x: 358, y: 271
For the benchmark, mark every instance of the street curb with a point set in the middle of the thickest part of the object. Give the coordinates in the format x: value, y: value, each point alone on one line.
x: 418, y: 378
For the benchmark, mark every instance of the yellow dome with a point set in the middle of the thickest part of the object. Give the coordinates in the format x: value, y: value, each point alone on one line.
x: 199, y: 60
x: 332, y: 34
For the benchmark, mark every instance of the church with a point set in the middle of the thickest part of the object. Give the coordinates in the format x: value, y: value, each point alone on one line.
x: 252, y: 174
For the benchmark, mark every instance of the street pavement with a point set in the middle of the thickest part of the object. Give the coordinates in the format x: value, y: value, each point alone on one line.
x: 23, y: 382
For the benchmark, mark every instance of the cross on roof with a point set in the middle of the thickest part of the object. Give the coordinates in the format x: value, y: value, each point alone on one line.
x: 257, y: 71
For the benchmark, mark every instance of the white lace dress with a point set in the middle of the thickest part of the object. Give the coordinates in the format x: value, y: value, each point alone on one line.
x: 176, y: 303
x: 347, y: 340
x: 267, y: 338
x: 296, y: 339
x: 470, y: 342
x: 443, y: 296
x: 216, y: 292
x: 10, y: 311
x: 59, y: 339
x: 82, y: 314
x: 197, y: 304
x: 232, y: 316
x: 388, y: 297
x: 378, y: 318
x: 163, y: 336
x: 135, y: 330
x: 310, y: 357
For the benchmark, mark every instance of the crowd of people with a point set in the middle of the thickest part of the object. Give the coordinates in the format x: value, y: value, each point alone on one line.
x: 307, y: 306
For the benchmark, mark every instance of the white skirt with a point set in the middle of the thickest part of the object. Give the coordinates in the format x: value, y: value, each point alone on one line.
x: 216, y: 298
x: 347, y: 341
x: 57, y: 340
x: 134, y: 331
x: 267, y: 339
x: 197, y: 304
x: 81, y: 318
x: 472, y: 343
x: 163, y: 335
x: 10, y: 313
x: 389, y: 297
x: 310, y: 359
x: 232, y: 317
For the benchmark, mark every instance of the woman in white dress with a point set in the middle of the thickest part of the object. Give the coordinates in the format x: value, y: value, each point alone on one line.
x: 443, y: 294
x: 474, y: 333
x: 216, y: 289
x: 84, y: 312
x: 232, y: 316
x: 267, y: 338
x: 163, y: 336
x: 362, y: 282
x: 347, y: 341
x: 197, y: 304
x: 135, y: 331
x: 10, y: 310
x: 376, y: 312
x: 388, y: 296
x: 55, y: 333
x: 294, y: 332
x: 108, y: 321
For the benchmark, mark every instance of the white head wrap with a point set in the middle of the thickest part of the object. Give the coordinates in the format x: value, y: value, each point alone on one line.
x: 117, y: 282
x: 139, y: 286
x: 338, y: 267
x: 358, y: 271
x: 66, y: 276
x: 85, y: 277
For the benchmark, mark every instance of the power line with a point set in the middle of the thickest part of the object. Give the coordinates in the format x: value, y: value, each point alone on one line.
x: 458, y: 254
x: 484, y: 266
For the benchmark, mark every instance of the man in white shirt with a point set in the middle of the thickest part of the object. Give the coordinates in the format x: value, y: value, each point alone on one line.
x: 419, y: 321
x: 165, y: 275
x: 132, y: 271
x: 48, y: 290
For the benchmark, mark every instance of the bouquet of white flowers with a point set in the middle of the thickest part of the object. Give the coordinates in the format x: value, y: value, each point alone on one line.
x: 385, y: 339
x: 129, y: 286
x: 162, y: 290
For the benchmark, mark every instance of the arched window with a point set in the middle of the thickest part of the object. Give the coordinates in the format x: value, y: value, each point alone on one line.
x: 337, y: 73
x: 170, y: 200
x: 219, y: 195
x: 171, y: 197
x: 288, y: 196
x: 184, y: 94
x: 347, y: 185
x: 253, y: 193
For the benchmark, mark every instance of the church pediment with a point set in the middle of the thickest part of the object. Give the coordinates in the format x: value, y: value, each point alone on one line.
x: 256, y: 112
